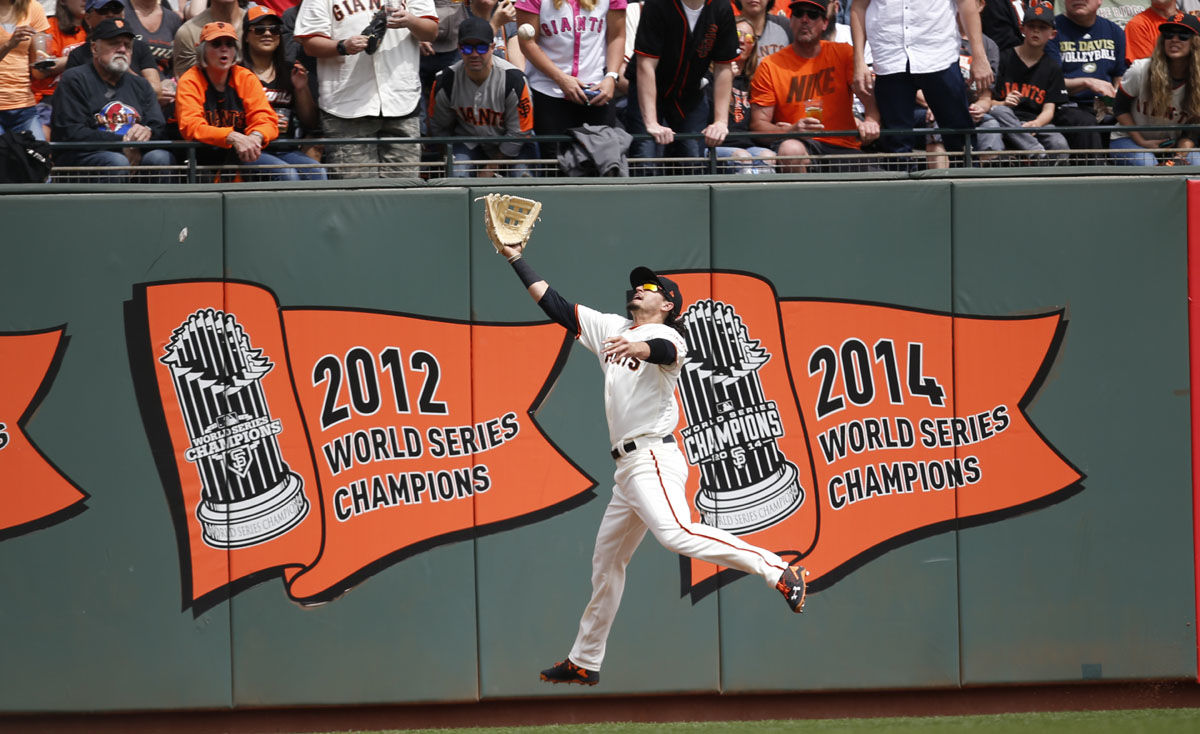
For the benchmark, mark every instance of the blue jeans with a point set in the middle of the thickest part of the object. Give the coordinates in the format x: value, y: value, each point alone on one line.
x: 117, y: 159
x: 1135, y: 155
x: 694, y: 121
x: 743, y: 164
x: 297, y: 158
x: 464, y: 155
x: 24, y: 118
x: 945, y: 93
x: 280, y: 170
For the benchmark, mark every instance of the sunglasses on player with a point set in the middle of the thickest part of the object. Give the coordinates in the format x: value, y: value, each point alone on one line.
x: 813, y: 14
x: 275, y: 29
x: 652, y: 287
x: 475, y: 48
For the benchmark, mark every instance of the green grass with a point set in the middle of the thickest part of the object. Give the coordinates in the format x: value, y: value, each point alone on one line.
x: 1141, y: 721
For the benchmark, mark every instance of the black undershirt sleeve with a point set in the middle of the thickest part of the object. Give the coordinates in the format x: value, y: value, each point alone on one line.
x: 662, y: 351
x: 554, y: 305
x: 559, y: 309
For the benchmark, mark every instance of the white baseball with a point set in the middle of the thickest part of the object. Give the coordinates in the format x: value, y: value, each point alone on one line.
x: 526, y: 31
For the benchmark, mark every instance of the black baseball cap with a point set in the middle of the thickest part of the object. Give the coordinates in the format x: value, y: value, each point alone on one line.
x: 110, y: 28
x: 475, y: 29
x: 1039, y: 11
x: 670, y: 289
x: 1181, y: 22
x: 822, y: 5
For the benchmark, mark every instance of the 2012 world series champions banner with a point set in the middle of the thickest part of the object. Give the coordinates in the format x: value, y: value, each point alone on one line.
x: 324, y: 444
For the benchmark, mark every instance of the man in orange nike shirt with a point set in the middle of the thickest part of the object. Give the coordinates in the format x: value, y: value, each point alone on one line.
x: 807, y: 86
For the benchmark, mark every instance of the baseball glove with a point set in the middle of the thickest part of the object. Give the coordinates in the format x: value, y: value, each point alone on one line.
x: 509, y: 219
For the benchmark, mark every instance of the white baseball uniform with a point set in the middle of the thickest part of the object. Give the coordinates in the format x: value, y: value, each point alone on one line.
x: 383, y: 84
x: 639, y: 402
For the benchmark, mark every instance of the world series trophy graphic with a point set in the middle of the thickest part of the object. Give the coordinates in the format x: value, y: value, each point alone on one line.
x: 249, y: 495
x: 746, y: 483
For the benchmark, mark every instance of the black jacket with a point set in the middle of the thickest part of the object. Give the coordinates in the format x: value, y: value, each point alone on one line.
x: 87, y: 108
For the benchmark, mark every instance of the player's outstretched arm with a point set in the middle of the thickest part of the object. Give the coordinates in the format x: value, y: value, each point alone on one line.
x: 548, y: 299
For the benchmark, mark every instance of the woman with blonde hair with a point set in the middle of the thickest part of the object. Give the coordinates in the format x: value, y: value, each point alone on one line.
x: 572, y: 60
x: 20, y: 22
x: 1161, y: 90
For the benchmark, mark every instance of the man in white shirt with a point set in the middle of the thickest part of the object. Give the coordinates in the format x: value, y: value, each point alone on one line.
x: 368, y: 91
x: 915, y: 46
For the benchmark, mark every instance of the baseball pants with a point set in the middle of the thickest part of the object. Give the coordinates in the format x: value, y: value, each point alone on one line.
x: 648, y: 495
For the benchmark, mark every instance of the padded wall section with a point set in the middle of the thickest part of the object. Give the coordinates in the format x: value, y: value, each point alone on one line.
x: 889, y: 621
x: 1098, y: 585
x: 101, y: 591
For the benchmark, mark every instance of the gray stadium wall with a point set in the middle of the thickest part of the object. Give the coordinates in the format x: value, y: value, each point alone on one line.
x: 1013, y: 353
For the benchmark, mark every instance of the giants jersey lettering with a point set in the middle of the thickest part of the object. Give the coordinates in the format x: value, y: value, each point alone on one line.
x: 500, y: 105
x: 639, y: 397
x: 573, y: 38
x: 362, y: 85
x: 1026, y: 91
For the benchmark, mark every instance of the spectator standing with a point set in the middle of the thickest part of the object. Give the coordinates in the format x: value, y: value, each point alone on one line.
x: 1141, y: 32
x: 502, y: 17
x: 188, y: 35
x: 19, y: 21
x: 224, y: 105
x: 677, y: 43
x: 979, y: 109
x: 285, y: 84
x: 66, y: 32
x: 368, y: 94
x: 156, y: 24
x: 442, y: 51
x: 1091, y: 52
x: 999, y: 21
x: 481, y: 95
x: 808, y: 87
x: 572, y: 60
x: 143, y: 59
x: 915, y: 46
x: 1029, y: 84
x: 747, y: 157
x: 1161, y: 90
x: 771, y: 31
x: 104, y: 101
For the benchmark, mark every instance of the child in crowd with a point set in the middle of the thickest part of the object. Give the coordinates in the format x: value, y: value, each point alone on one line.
x: 1029, y: 84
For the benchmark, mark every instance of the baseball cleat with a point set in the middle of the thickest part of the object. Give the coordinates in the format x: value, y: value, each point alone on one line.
x: 791, y: 585
x: 569, y: 672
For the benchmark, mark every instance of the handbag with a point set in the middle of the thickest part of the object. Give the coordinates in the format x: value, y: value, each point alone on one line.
x: 23, y: 158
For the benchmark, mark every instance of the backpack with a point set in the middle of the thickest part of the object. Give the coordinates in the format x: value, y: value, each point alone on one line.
x: 23, y: 158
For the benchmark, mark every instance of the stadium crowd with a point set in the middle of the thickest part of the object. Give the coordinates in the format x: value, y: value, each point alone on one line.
x: 262, y: 85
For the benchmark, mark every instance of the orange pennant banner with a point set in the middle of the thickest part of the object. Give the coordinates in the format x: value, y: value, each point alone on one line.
x: 833, y: 431
x: 33, y: 493
x: 350, y: 443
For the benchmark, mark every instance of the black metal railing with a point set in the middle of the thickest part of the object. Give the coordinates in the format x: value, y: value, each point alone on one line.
x: 437, y: 155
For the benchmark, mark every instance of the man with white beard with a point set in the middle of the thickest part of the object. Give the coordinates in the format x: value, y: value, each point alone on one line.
x: 103, y: 101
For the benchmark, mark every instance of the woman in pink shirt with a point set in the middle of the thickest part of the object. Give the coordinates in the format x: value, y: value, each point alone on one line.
x: 572, y: 60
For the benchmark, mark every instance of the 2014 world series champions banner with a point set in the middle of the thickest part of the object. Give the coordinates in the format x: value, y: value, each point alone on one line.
x: 323, y: 444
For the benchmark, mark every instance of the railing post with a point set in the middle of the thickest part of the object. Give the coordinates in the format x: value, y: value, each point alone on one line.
x: 967, y: 160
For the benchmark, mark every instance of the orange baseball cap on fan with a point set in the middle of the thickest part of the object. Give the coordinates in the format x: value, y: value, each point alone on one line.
x: 255, y: 12
x: 216, y: 30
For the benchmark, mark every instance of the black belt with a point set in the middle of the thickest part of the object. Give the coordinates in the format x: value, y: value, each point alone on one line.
x: 630, y: 446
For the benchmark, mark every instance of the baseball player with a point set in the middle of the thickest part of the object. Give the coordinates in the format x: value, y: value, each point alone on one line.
x: 642, y: 357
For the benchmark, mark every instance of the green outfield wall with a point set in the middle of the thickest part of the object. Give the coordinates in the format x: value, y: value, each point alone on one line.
x: 305, y: 447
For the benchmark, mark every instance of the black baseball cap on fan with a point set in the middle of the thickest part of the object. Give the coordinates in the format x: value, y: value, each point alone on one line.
x: 670, y: 289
